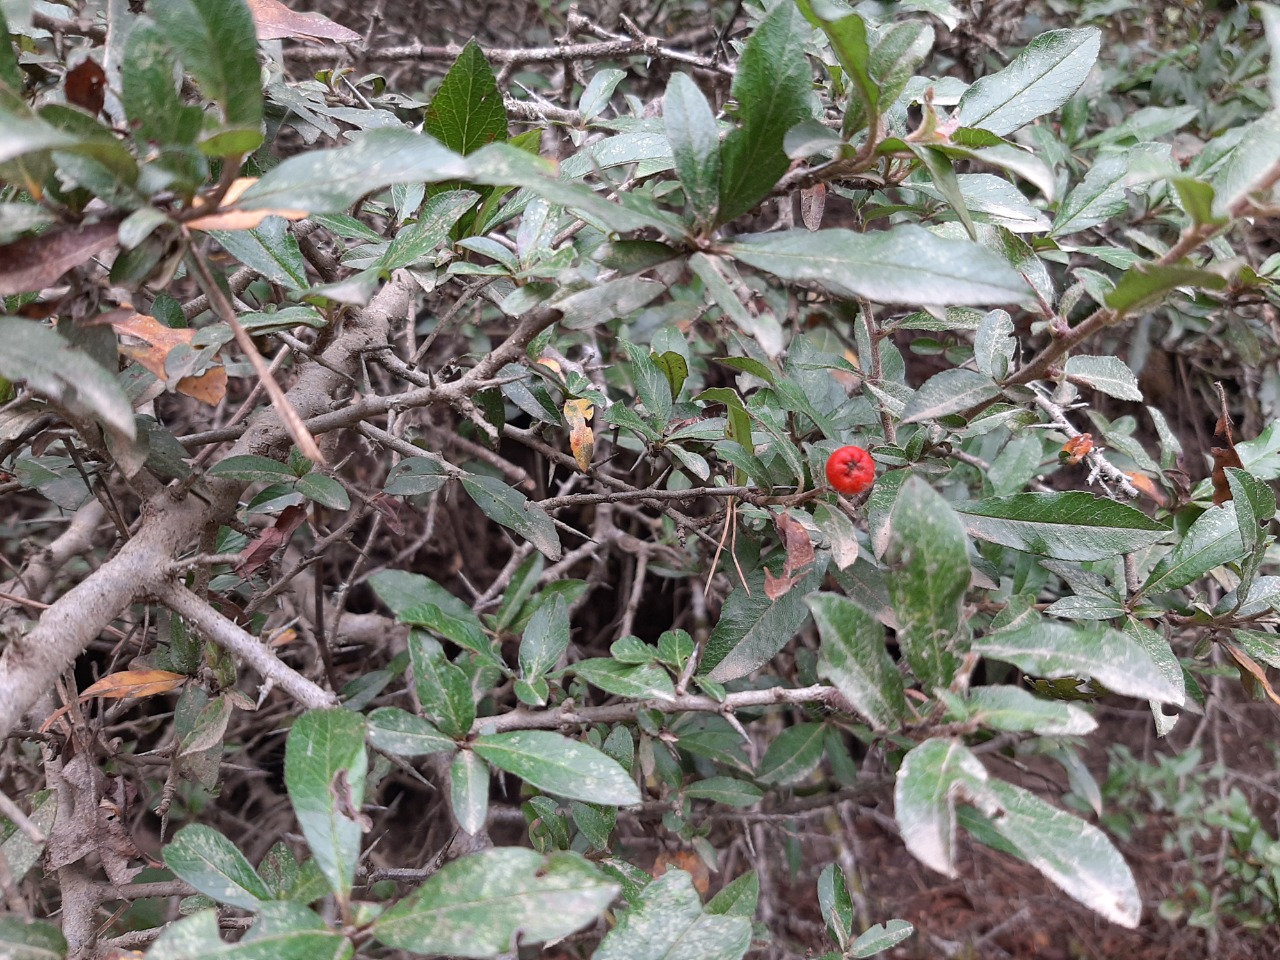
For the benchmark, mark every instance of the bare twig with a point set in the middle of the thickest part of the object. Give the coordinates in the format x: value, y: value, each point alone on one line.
x: 688, y: 703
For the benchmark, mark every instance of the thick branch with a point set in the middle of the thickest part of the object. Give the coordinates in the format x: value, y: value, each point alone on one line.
x: 31, y: 663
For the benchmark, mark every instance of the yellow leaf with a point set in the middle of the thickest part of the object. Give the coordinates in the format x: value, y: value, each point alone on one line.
x: 582, y: 441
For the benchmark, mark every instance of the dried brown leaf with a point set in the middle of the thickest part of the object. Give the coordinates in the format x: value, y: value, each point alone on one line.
x: 131, y: 684
x: 34, y: 263
x: 274, y: 21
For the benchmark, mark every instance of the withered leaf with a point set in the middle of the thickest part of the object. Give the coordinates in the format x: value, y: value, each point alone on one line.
x: 1224, y: 452
x: 85, y: 85
x: 270, y: 540
x: 135, y: 683
x: 34, y: 263
x: 274, y: 21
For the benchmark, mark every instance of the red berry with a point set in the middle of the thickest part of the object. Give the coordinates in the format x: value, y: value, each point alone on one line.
x: 851, y: 470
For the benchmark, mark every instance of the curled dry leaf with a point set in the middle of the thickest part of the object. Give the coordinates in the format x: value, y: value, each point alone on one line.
x: 1076, y: 449
x: 226, y: 219
x: 130, y: 684
x: 157, y: 340
x: 1252, y: 675
x: 582, y: 441
x: 1147, y: 487
x: 813, y: 201
x: 1224, y: 452
x: 689, y: 862
x: 800, y: 556
x: 274, y: 21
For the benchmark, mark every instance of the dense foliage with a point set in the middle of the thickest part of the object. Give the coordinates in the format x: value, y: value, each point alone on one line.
x: 469, y: 482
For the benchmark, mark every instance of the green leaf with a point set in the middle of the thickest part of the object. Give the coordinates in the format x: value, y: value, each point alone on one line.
x: 417, y: 475
x: 469, y: 791
x: 1096, y: 199
x: 1086, y: 608
x: 835, y: 903
x: 1069, y: 526
x: 738, y: 898
x: 771, y: 85
x: 558, y: 765
x: 484, y: 904
x: 252, y: 469
x: 417, y: 240
x: 467, y: 110
x: 993, y: 345
x: 674, y: 367
x: 594, y: 822
x: 948, y: 392
x: 218, y: 45
x: 1076, y: 856
x: 638, y: 682
x: 23, y: 135
x: 1145, y: 284
x: 842, y: 536
x: 730, y: 791
x: 23, y: 939
x: 1053, y: 650
x: 458, y: 624
x: 1248, y: 163
x: 880, y: 937
x: 442, y: 686
x: 1255, y: 504
x: 149, y: 93
x: 1161, y: 652
x: 330, y: 181
x: 752, y: 628
x: 400, y: 732
x: 853, y: 656
x: 1111, y: 375
x: 695, y: 145
x: 606, y: 301
x: 546, y: 637
x: 513, y: 510
x: 69, y: 376
x: 323, y: 490
x: 1015, y: 709
x: 595, y: 98
x: 191, y: 938
x: 1214, y: 539
x: 906, y: 264
x: 848, y: 37
x: 324, y: 770
x: 270, y: 249
x: 929, y: 561
x: 1101, y: 195
x: 667, y: 922
x: 793, y: 754
x: 19, y: 850
x: 933, y: 777
x: 651, y: 383
x: 211, y: 863
x: 1044, y: 76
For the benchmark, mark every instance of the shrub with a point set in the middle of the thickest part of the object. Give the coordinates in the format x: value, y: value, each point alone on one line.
x: 595, y: 402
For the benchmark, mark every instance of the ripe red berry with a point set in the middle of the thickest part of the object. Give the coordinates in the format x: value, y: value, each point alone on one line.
x: 851, y: 470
